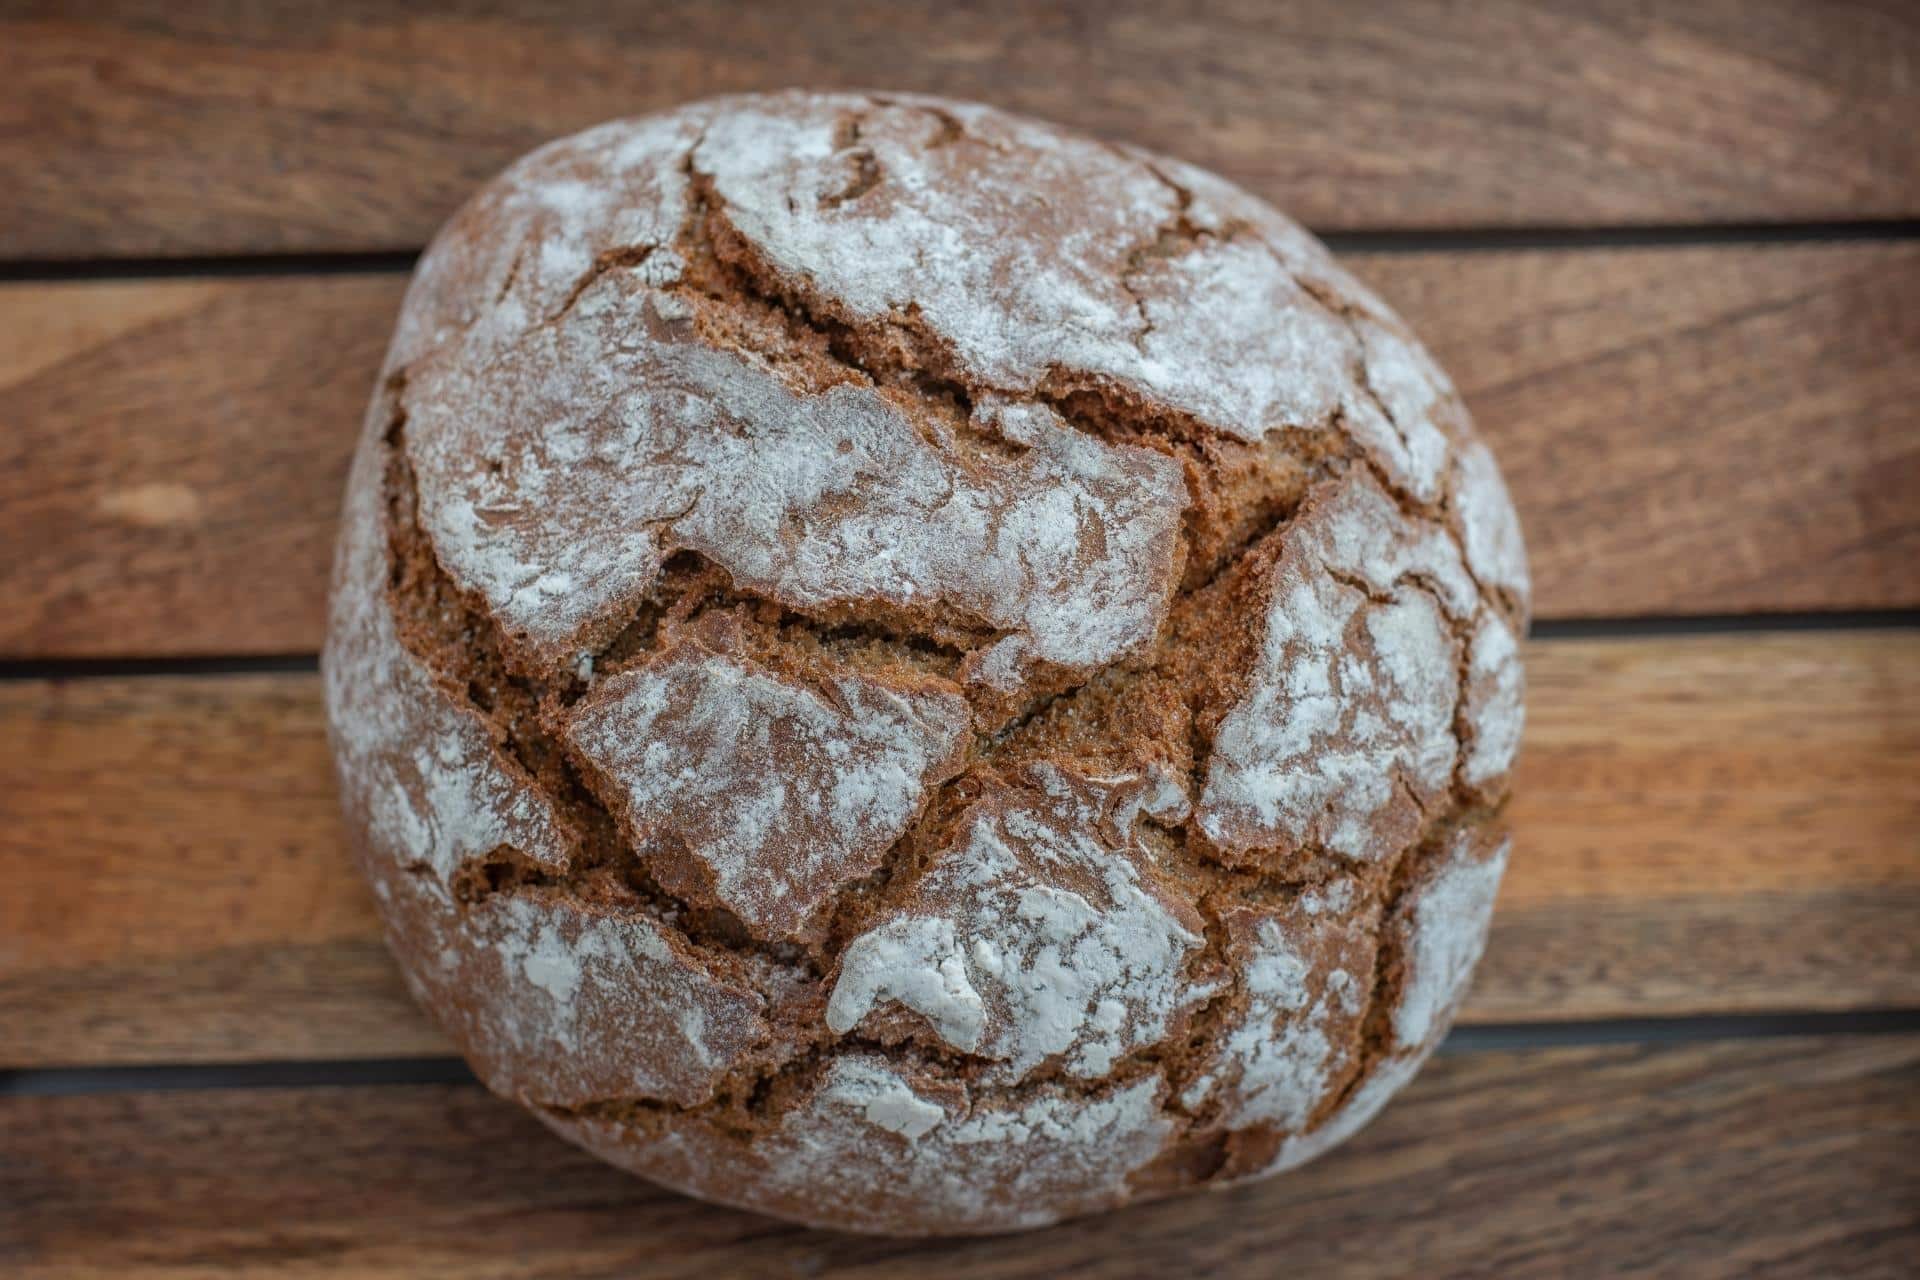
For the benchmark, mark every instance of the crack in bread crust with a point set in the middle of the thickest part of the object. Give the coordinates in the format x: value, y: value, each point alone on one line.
x: 1242, y: 501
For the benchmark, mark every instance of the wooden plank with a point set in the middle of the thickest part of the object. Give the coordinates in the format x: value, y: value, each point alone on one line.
x: 151, y: 129
x: 1704, y: 825
x: 1783, y: 1158
x: 180, y: 883
x: 173, y: 457
x: 1686, y: 430
x: 1692, y: 430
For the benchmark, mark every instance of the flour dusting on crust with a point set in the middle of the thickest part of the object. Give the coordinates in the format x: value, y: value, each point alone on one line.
x: 1446, y: 929
x: 578, y: 1005
x: 588, y: 1004
x: 421, y: 768
x: 1023, y: 1165
x: 1355, y: 1113
x: 510, y: 257
x: 1490, y: 526
x: 1345, y: 737
x: 938, y: 675
x: 1035, y: 935
x: 875, y: 1147
x: 651, y: 441
x: 1441, y: 929
x: 783, y: 795
x: 1495, y: 706
x: 1307, y: 969
x: 1019, y: 286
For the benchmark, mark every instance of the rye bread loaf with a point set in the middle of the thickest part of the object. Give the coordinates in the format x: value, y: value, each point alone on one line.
x: 906, y: 669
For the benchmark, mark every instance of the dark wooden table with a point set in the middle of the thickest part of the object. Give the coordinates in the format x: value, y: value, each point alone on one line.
x: 1673, y: 259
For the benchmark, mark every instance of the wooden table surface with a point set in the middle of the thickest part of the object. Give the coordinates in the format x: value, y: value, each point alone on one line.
x: 1670, y: 253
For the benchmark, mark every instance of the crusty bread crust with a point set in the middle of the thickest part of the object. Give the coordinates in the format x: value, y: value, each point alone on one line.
x: 899, y: 667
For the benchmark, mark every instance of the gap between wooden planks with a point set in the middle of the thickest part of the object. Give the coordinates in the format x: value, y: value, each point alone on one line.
x: 1705, y: 825
x: 1697, y: 430
x: 1786, y: 1158
x: 162, y: 129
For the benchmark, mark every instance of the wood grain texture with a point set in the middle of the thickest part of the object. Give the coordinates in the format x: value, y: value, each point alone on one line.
x: 234, y: 127
x: 1689, y: 430
x: 1782, y: 1158
x: 1726, y: 824
x: 1704, y: 825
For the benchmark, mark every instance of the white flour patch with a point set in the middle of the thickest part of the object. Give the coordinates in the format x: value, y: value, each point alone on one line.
x: 1352, y: 699
x: 1488, y: 524
x: 436, y: 791
x: 1031, y: 939
x: 882, y: 1097
x: 1359, y: 1109
x: 1496, y: 711
x: 1415, y: 397
x: 1306, y: 974
x: 650, y: 441
x: 579, y: 1004
x: 1018, y: 285
x: 1286, y: 1058
x: 1448, y: 931
x: 897, y: 1154
x: 512, y: 254
x: 784, y: 794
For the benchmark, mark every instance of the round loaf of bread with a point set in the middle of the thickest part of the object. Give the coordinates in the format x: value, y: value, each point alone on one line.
x: 906, y: 669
